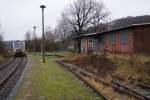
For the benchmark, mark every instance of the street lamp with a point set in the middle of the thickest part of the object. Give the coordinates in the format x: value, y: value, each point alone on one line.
x: 43, y: 36
x: 34, y: 47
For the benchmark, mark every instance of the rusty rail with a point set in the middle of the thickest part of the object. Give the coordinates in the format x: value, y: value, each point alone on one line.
x: 84, y: 80
x: 115, y: 85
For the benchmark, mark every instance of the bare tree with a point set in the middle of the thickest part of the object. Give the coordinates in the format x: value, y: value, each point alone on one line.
x: 85, y: 13
x: 28, y: 36
x: 28, y: 40
x: 2, y: 47
x: 100, y: 16
x: 79, y: 15
x: 63, y: 30
x: 49, y: 34
x: 3, y: 50
x: 1, y: 33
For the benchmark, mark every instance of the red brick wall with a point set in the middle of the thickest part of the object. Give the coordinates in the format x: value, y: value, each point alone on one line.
x: 118, y: 47
x: 127, y: 48
x: 142, y: 40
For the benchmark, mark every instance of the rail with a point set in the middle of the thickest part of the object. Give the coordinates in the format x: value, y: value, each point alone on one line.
x: 115, y: 84
x: 10, y: 79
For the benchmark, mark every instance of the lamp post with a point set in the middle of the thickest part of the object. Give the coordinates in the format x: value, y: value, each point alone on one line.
x: 34, y: 47
x: 43, y: 36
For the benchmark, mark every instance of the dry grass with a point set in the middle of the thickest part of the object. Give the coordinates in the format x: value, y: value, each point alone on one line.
x: 130, y: 67
x: 93, y: 62
x: 108, y: 91
x: 2, y: 59
x: 133, y: 67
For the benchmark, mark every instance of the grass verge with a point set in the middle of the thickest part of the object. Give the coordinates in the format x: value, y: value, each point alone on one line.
x: 50, y: 81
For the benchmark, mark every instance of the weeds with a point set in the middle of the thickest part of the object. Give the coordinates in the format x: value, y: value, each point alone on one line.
x: 135, y: 67
x: 99, y: 62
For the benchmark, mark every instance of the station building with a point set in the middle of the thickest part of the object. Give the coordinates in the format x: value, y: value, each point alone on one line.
x: 134, y: 38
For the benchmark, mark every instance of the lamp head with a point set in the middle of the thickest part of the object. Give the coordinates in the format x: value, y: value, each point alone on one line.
x: 34, y: 27
x: 42, y: 6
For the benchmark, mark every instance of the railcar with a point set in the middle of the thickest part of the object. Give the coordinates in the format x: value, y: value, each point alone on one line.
x: 19, y: 48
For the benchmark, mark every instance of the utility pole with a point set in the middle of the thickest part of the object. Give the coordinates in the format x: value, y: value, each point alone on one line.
x: 34, y: 47
x: 43, y: 36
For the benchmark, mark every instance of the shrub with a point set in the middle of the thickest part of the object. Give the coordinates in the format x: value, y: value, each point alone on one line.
x: 94, y: 61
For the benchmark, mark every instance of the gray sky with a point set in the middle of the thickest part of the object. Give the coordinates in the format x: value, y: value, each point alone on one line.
x: 19, y: 16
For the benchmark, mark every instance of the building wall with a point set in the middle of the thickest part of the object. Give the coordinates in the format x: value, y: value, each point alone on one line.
x: 83, y: 45
x: 96, y: 46
x: 142, y: 40
x: 125, y: 41
x: 119, y: 41
x: 116, y: 42
x: 135, y: 39
x: 89, y: 44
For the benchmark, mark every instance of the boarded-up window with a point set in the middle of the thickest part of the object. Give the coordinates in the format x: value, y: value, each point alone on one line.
x: 95, y: 44
x: 124, y: 37
x: 112, y: 38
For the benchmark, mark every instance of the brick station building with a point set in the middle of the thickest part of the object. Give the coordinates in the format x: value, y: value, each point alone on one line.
x: 134, y: 38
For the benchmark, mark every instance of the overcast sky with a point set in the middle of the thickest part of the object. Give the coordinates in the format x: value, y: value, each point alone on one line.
x: 19, y: 16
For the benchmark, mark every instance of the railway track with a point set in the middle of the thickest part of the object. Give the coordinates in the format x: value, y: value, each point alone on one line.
x: 139, y: 91
x: 9, y: 74
x: 7, y: 63
x: 77, y: 72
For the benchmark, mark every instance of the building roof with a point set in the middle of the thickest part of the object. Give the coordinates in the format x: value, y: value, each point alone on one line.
x: 117, y: 29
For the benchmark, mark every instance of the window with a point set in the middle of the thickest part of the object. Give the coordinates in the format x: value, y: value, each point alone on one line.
x: 124, y: 37
x: 95, y: 44
x: 112, y: 38
x: 90, y: 44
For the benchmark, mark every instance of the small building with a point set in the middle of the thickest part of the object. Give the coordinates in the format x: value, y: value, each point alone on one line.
x: 134, y: 38
x: 9, y: 45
